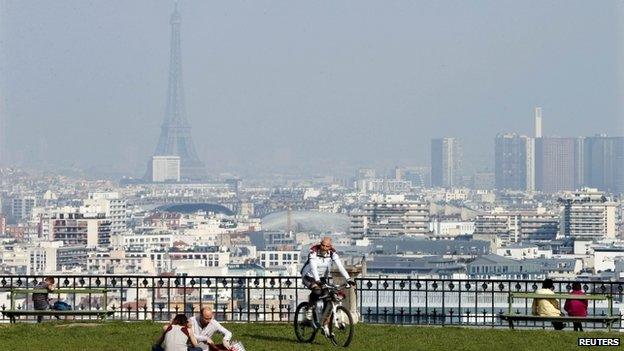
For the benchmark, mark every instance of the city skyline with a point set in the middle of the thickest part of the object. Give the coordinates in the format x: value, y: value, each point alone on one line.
x: 299, y: 102
x: 310, y: 165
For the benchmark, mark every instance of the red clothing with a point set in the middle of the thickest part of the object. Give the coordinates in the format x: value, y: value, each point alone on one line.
x: 576, y: 308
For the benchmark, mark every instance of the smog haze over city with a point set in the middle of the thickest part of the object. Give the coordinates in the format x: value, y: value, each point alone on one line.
x: 344, y: 170
x: 299, y: 87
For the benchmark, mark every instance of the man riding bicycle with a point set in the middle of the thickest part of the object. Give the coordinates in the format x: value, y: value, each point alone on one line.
x: 316, y: 271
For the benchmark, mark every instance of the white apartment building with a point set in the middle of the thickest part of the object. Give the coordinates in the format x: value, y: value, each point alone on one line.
x: 27, y: 258
x: 146, y: 241
x: 391, y: 215
x: 588, y: 215
x: 74, y: 229
x: 517, y: 226
x: 165, y: 168
x: 111, y: 205
x: 119, y: 262
x: 450, y: 227
x: 456, y: 195
x: 205, y: 256
x: 278, y: 258
x: 43, y: 257
x: 14, y: 259
x: 156, y: 262
x: 384, y: 186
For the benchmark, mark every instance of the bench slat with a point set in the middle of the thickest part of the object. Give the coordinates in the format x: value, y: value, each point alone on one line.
x: 55, y: 313
x: 558, y: 296
x: 529, y: 317
x: 59, y: 291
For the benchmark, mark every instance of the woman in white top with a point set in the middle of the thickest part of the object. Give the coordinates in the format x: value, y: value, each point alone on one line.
x: 177, y: 335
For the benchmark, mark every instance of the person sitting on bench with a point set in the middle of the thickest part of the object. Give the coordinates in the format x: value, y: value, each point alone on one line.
x: 41, y: 300
x: 548, y: 307
x: 576, y: 308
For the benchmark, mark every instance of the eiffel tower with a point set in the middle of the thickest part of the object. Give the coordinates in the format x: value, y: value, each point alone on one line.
x: 175, y: 135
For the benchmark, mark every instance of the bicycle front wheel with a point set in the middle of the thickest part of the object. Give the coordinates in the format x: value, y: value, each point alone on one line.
x: 341, y: 327
x: 304, y: 326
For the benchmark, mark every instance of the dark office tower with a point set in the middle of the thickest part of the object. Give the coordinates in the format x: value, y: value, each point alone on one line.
x: 446, y: 162
x: 618, y: 182
x: 3, y: 143
x: 603, y: 166
x: 513, y: 162
x: 175, y: 135
x: 555, y: 164
x: 579, y: 162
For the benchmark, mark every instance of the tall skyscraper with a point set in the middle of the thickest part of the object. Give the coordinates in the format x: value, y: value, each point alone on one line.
x: 3, y: 143
x: 603, y: 166
x: 513, y: 162
x: 175, y: 136
x: 446, y: 162
x: 530, y: 163
x: 538, y: 122
x: 555, y: 164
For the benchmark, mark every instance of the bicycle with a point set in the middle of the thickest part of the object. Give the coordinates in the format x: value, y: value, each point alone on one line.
x: 340, y: 326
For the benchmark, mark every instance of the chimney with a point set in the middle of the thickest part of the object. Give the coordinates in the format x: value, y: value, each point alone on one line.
x: 538, y: 122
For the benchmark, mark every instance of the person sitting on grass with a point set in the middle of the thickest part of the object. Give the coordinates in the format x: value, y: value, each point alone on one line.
x: 205, y: 325
x: 547, y: 307
x: 41, y: 300
x: 576, y: 308
x: 177, y: 336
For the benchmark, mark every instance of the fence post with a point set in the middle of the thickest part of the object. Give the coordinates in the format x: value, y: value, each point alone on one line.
x: 350, y: 300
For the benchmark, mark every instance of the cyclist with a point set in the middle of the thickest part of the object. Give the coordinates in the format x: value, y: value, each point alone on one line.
x: 316, y: 271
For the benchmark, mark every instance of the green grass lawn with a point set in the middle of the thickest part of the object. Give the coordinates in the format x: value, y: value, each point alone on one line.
x: 116, y: 336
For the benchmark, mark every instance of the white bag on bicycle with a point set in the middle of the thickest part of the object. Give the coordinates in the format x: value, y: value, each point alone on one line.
x: 341, y: 317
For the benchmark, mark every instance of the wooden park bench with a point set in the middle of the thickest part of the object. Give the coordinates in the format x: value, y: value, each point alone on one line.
x: 511, y: 317
x: 13, y: 312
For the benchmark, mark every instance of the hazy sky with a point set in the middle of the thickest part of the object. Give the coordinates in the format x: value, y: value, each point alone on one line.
x: 304, y: 85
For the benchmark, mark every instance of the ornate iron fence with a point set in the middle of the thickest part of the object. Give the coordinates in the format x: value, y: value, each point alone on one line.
x: 462, y: 302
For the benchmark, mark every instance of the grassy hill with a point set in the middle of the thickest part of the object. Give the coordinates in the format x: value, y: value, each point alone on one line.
x: 276, y: 337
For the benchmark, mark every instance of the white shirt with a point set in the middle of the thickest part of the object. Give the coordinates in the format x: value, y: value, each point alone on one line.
x: 206, y: 333
x: 320, y: 265
x: 176, y: 338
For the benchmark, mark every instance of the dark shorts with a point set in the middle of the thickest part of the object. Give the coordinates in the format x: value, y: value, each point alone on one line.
x: 309, y: 281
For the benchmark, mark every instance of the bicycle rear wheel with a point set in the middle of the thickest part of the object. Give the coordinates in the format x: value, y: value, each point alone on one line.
x: 341, y: 327
x: 304, y: 327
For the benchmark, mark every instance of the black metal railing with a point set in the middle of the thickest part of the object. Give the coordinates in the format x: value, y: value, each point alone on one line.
x: 462, y: 302
x: 467, y: 302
